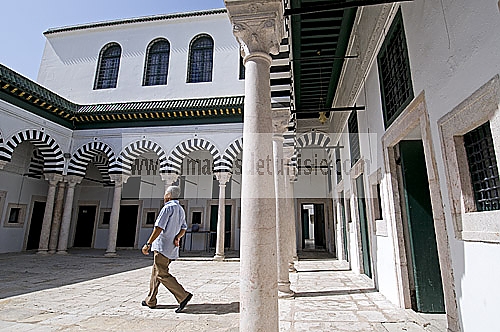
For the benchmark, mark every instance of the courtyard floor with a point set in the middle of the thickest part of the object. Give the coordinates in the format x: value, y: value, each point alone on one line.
x: 85, y: 291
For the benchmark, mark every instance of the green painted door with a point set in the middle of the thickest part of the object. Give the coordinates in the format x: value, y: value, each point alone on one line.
x: 427, y: 295
x: 363, y: 227
x: 344, y: 227
x: 305, y: 226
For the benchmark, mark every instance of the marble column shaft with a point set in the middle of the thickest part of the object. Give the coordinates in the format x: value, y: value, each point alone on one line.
x: 222, y: 177
x: 43, y: 245
x: 282, y: 223
x: 169, y: 179
x: 259, y: 28
x: 62, y: 244
x: 57, y: 218
x: 119, y: 180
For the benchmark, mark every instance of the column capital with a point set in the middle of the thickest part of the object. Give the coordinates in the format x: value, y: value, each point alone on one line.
x: 3, y: 163
x: 223, y: 177
x: 281, y: 119
x: 119, y: 179
x: 169, y: 177
x: 53, y: 178
x: 258, y: 26
x: 73, y: 180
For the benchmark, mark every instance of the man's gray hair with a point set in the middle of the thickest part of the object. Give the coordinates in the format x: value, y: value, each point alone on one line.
x: 174, y: 191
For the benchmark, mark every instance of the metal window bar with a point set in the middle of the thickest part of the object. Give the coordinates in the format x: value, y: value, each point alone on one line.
x: 108, y: 71
x: 395, y: 73
x: 483, y: 168
x: 201, y: 60
x: 157, y: 64
x: 354, y: 137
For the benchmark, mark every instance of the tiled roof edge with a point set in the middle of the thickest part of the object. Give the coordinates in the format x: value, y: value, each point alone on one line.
x: 14, y: 78
x: 135, y: 20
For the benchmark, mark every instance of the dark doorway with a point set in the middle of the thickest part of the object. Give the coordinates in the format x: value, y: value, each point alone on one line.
x: 35, y: 225
x: 313, y: 226
x: 85, y: 226
x: 363, y: 227
x: 426, y: 287
x: 127, y: 226
x: 214, y: 210
x: 345, y: 243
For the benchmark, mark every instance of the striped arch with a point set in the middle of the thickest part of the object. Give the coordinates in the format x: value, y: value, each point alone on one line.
x: 88, y: 153
x: 102, y: 164
x: 227, y: 161
x: 35, y: 169
x: 135, y: 149
x: 174, y: 162
x: 315, y: 138
x: 53, y: 160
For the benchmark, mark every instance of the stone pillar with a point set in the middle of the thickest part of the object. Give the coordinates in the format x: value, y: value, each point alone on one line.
x: 290, y: 177
x: 223, y: 177
x: 258, y: 27
x: 43, y: 245
x: 56, y: 223
x: 62, y: 244
x: 280, y: 121
x: 169, y: 179
x: 119, y: 180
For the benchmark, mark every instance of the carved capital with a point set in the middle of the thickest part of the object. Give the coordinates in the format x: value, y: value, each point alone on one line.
x: 281, y: 120
x: 73, y: 180
x: 257, y: 25
x: 53, y: 178
x: 223, y: 177
x: 119, y: 179
x: 169, y: 178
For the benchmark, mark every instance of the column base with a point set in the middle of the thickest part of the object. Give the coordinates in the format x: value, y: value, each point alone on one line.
x: 219, y: 258
x: 284, y: 290
x: 52, y: 251
x: 110, y: 254
x: 42, y: 252
x: 62, y: 252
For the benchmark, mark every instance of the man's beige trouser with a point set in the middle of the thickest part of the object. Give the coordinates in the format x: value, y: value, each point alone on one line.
x: 160, y: 274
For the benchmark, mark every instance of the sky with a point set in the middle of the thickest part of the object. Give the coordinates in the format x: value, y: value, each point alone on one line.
x: 23, y: 23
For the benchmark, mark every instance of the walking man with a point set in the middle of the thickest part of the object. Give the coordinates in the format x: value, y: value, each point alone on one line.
x: 170, y: 227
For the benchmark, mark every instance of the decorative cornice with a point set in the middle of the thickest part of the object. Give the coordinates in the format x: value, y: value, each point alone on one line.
x: 135, y: 20
x: 258, y: 26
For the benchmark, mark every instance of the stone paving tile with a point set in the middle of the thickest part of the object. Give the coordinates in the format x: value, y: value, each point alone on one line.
x: 85, y: 291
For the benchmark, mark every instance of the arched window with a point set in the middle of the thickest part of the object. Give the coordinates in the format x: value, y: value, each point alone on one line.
x: 157, y: 59
x: 201, y: 59
x: 109, y: 63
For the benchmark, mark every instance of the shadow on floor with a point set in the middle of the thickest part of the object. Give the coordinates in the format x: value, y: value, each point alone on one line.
x: 27, y: 272
x: 336, y: 292
x: 205, y: 308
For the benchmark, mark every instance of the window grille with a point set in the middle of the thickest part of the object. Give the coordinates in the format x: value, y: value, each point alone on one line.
x: 394, y: 72
x: 242, y: 69
x: 157, y: 61
x: 354, y: 137
x: 483, y: 168
x: 338, y: 164
x: 201, y: 60
x: 109, y: 64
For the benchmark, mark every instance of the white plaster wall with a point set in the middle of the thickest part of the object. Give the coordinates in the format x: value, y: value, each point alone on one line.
x: 452, y: 54
x: 464, y: 57
x: 75, y: 54
x: 311, y: 183
x: 14, y: 120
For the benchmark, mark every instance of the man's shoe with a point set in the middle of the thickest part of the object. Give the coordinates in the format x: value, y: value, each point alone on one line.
x: 146, y: 305
x: 183, y: 303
